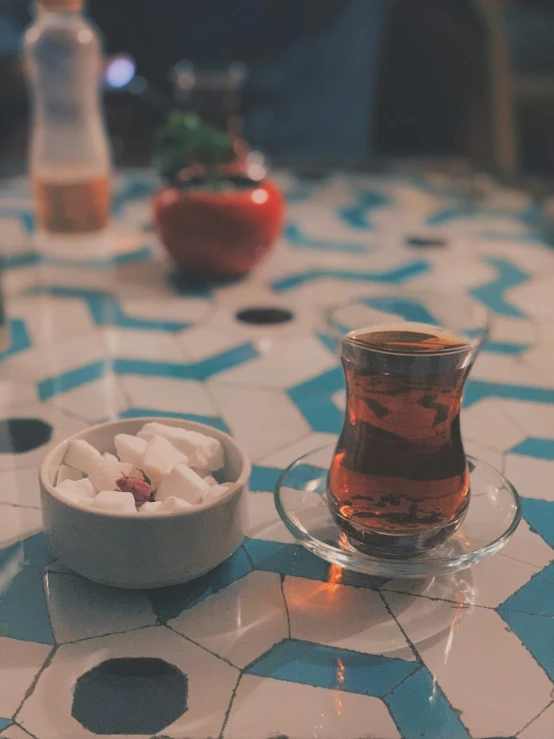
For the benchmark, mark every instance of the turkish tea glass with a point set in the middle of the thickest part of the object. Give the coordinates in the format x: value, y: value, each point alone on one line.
x: 399, y: 480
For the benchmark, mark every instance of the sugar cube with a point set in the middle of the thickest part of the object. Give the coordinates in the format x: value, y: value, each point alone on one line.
x: 203, y: 452
x: 76, y: 490
x: 114, y: 501
x: 106, y: 474
x: 174, y: 504
x: 215, y: 492
x: 130, y: 448
x: 68, y: 473
x: 210, y: 480
x: 150, y: 507
x: 200, y: 472
x: 160, y: 458
x: 83, y: 456
x: 184, y: 483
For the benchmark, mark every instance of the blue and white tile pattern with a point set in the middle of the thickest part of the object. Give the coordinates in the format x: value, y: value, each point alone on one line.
x: 274, y: 642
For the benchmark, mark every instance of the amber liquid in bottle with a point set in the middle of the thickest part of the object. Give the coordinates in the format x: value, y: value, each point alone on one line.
x: 72, y: 207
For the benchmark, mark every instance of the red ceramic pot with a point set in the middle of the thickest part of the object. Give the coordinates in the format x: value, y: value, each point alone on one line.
x: 219, y: 234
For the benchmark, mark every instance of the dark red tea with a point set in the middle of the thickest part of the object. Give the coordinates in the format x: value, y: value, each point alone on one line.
x: 399, y: 480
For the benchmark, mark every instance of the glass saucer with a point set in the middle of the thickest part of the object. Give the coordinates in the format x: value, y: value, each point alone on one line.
x: 493, y: 515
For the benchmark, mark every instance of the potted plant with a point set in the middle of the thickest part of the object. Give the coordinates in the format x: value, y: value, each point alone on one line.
x: 214, y: 218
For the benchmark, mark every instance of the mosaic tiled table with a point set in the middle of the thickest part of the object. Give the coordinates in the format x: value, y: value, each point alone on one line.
x: 276, y: 643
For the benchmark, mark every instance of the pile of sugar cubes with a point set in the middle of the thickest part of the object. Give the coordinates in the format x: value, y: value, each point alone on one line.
x: 163, y: 468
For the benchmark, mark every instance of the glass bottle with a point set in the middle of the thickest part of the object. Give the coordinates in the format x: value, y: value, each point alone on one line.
x: 69, y: 153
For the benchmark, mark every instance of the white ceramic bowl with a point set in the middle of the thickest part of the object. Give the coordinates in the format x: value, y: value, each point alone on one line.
x: 143, y: 551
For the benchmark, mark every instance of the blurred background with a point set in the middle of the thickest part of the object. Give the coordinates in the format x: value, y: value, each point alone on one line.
x: 319, y: 83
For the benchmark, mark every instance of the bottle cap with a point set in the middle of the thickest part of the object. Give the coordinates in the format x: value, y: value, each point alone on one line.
x: 60, y: 5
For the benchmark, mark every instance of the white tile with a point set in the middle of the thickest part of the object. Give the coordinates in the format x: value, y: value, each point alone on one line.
x: 263, y: 520
x: 480, y: 451
x: 533, y: 297
x: 47, y: 712
x: 496, y: 578
x: 412, y: 199
x: 264, y: 707
x: 535, y: 419
x: 541, y: 727
x: 137, y: 213
x: 80, y: 608
x: 50, y: 319
x: 532, y: 478
x: 18, y: 523
x: 20, y: 487
x: 344, y: 617
x: 168, y: 394
x: 201, y: 342
x: 288, y: 454
x: 16, y: 393
x: 317, y: 221
x: 283, y: 261
x: 531, y: 258
x: 18, y: 281
x: 63, y: 425
x: 100, y: 400
x: 327, y: 292
x: 13, y: 232
x: 20, y: 662
x: 527, y: 546
x: 261, y: 420
x: 231, y: 300
x: 339, y: 399
x: 286, y: 363
x: 55, y: 358
x: 56, y: 274
x: 541, y: 359
x: 240, y: 622
x: 484, y: 422
x: 517, y: 330
x: 126, y: 343
x: 488, y: 583
x: 479, y: 663
x: 459, y: 275
x: 168, y: 309
x: 501, y: 368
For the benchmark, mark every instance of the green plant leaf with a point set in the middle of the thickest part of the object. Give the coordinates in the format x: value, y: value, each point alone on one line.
x: 185, y: 140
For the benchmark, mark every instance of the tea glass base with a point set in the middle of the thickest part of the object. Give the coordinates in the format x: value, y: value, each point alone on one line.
x: 394, y: 546
x: 492, y: 516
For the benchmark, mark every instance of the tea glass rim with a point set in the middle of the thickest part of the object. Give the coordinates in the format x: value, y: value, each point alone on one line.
x: 484, y: 324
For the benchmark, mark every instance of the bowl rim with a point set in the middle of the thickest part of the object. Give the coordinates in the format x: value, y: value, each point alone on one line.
x: 240, y: 482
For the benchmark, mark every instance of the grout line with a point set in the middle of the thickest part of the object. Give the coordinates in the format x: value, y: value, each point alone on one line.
x: 286, y: 604
x: 110, y: 633
x: 20, y: 505
x: 422, y: 666
x: 286, y: 445
x: 409, y: 642
x: 249, y: 558
x: 50, y: 403
x: 439, y: 600
x: 536, y: 717
x: 33, y: 685
x: 230, y: 706
x: 24, y: 730
x: 200, y: 646
x: 269, y: 651
x: 417, y: 668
